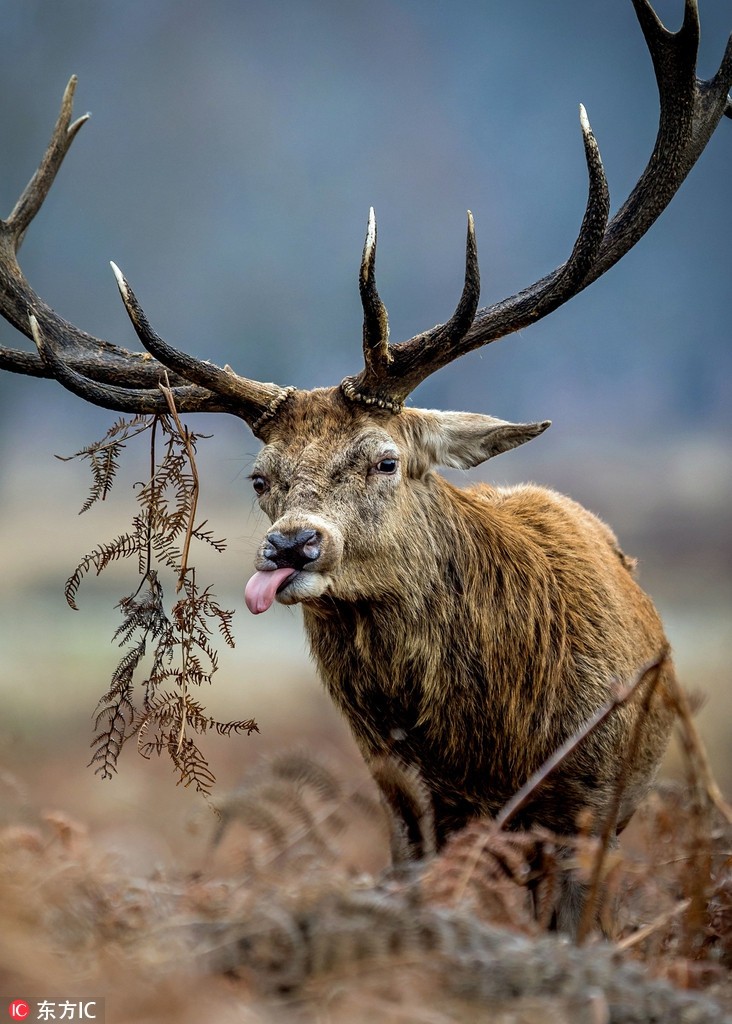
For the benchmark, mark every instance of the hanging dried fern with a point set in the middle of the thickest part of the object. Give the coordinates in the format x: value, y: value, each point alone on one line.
x: 103, y: 456
x: 156, y: 706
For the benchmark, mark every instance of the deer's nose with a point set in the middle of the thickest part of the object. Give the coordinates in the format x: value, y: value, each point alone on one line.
x: 292, y: 549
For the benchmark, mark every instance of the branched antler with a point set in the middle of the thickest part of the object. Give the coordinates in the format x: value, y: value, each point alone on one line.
x: 110, y: 376
x: 690, y: 110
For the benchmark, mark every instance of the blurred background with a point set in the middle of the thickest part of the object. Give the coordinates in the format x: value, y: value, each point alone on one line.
x: 228, y: 168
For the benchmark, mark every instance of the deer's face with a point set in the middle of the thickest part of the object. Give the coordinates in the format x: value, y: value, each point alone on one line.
x: 348, y: 494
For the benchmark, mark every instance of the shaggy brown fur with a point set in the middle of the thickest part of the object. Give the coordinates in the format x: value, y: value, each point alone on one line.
x: 466, y: 631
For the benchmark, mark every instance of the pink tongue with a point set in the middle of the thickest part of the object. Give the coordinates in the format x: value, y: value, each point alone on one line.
x: 262, y: 587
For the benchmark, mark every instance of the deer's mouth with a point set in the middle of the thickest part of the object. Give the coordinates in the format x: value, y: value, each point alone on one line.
x: 264, y: 586
x: 285, y: 585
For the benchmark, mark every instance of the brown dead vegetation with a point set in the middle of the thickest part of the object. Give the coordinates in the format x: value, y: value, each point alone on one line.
x: 280, y: 922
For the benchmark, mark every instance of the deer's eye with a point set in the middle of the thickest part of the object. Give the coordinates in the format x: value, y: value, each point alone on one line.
x: 259, y: 483
x: 386, y: 467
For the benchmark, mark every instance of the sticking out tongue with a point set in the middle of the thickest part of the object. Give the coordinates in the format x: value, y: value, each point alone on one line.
x: 262, y: 587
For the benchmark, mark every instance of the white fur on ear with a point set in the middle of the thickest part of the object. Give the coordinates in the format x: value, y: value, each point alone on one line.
x: 461, y: 440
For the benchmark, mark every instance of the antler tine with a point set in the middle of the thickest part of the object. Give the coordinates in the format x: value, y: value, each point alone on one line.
x: 90, y: 356
x: 98, y: 371
x: 428, y: 352
x: 552, y: 291
x: 414, y: 360
x: 376, y: 349
x: 378, y: 384
x: 690, y: 110
x: 252, y: 398
x: 40, y: 184
x: 375, y: 319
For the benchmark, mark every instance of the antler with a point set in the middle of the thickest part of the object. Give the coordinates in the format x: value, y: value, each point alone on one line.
x: 113, y: 377
x: 97, y: 370
x: 690, y: 110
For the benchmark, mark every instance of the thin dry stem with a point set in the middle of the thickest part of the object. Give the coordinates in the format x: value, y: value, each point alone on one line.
x: 518, y: 801
x: 694, y: 748
x: 653, y: 926
x: 609, y: 828
x: 186, y: 439
x: 521, y: 797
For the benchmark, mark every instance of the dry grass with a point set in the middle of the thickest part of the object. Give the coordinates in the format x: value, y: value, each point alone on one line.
x: 280, y: 920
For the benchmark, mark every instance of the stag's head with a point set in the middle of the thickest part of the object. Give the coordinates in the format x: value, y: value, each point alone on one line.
x: 346, y: 490
x: 342, y: 471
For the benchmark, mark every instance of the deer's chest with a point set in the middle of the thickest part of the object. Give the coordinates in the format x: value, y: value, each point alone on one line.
x: 390, y: 697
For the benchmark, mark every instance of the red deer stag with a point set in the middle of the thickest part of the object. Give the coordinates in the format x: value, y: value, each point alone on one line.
x: 465, y: 632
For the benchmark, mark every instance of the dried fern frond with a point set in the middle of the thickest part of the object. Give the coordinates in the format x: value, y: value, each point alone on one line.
x: 506, y: 878
x: 103, y: 456
x: 408, y: 803
x: 306, y: 773
x: 179, y: 641
x: 113, y: 720
x: 295, y: 823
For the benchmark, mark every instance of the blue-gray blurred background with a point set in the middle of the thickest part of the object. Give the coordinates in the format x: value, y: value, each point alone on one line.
x: 228, y: 168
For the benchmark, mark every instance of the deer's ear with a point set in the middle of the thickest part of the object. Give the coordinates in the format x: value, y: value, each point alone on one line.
x: 462, y: 440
